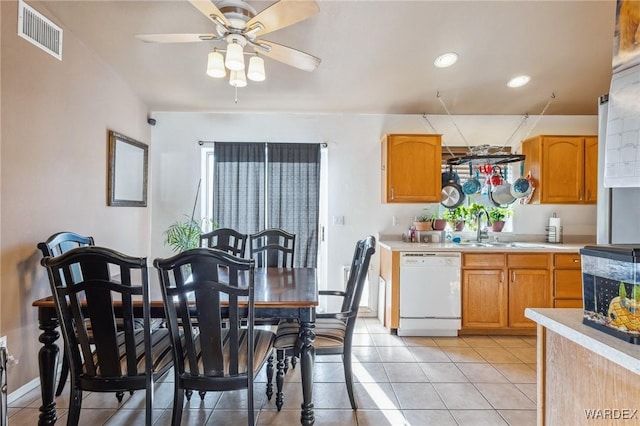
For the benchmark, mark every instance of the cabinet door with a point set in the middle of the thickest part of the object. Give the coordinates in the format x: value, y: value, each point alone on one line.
x: 591, y: 169
x: 562, y: 169
x: 484, y: 296
x: 528, y: 288
x: 412, y: 165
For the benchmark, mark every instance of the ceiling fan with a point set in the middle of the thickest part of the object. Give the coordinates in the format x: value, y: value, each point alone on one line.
x: 237, y: 23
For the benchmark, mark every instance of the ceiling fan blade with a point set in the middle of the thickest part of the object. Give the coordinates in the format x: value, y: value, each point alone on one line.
x: 282, y: 14
x: 175, y: 38
x: 287, y: 55
x: 210, y: 10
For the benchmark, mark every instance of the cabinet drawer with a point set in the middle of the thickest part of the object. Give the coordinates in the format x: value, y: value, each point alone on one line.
x: 567, y: 303
x: 483, y: 260
x: 567, y: 260
x: 528, y: 260
x: 568, y: 283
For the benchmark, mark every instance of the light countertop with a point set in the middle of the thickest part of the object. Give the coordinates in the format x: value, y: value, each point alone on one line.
x: 397, y: 245
x: 568, y: 324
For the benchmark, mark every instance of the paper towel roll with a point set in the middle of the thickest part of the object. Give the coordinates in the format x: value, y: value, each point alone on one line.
x: 554, y: 230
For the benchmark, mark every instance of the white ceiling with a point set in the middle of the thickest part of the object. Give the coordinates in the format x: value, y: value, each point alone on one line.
x: 377, y: 56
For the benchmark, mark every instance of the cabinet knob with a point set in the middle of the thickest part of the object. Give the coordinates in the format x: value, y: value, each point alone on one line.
x: 576, y: 260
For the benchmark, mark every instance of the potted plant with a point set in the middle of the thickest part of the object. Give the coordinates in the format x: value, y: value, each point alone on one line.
x: 456, y: 217
x: 437, y: 223
x: 185, y: 234
x: 497, y: 215
x: 422, y: 222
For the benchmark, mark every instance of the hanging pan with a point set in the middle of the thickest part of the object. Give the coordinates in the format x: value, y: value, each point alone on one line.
x: 451, y: 195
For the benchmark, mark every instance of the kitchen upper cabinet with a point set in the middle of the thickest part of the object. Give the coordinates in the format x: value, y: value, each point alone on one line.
x: 411, y: 168
x: 564, y: 168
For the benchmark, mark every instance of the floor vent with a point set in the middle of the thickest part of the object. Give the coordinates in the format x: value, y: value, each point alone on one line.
x: 38, y: 30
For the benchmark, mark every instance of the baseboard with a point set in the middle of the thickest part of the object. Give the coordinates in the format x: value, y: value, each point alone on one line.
x: 23, y: 390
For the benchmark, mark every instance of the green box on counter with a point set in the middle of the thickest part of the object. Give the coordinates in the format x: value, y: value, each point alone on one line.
x: 611, y: 289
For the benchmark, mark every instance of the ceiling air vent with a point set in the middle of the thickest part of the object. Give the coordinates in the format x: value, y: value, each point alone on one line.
x: 38, y: 30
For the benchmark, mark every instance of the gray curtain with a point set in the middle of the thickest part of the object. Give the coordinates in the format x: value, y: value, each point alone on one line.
x: 293, y: 187
x: 238, y: 196
x: 291, y: 193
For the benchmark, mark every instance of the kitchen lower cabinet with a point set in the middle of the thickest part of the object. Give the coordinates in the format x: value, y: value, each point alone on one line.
x: 484, y: 298
x: 528, y: 288
x: 567, y: 280
x: 498, y: 287
x: 390, y: 273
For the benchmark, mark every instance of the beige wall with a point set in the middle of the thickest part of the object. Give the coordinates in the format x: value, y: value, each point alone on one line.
x: 55, y: 116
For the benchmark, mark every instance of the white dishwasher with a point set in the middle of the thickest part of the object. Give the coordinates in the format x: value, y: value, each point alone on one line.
x: 429, y: 294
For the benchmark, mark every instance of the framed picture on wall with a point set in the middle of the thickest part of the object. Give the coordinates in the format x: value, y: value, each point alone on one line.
x: 127, y: 172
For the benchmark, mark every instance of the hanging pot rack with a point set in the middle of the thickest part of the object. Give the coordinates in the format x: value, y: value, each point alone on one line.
x: 487, y: 154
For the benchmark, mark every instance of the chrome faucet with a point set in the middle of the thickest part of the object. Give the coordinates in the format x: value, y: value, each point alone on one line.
x: 482, y: 233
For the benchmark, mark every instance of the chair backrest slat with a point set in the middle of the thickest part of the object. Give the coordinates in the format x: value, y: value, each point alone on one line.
x: 206, y: 282
x: 272, y: 248
x: 357, y: 278
x: 225, y: 239
x: 85, y: 304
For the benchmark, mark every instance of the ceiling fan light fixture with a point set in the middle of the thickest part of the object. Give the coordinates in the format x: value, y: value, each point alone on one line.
x: 518, y: 81
x: 237, y: 79
x: 256, y: 69
x: 235, y: 57
x: 446, y: 60
x: 215, y: 65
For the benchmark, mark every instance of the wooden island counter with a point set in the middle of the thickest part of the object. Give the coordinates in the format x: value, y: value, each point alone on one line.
x: 584, y: 375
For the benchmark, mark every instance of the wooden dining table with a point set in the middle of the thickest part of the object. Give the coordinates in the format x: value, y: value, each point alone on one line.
x: 279, y: 293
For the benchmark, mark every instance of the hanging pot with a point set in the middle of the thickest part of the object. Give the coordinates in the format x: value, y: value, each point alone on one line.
x: 473, y: 185
x: 451, y: 195
x: 501, y: 196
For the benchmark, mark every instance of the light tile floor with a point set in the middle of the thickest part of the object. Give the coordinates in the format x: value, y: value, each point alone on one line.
x: 399, y: 381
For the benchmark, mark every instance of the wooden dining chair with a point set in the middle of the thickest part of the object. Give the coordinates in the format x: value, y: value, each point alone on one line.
x: 333, y: 331
x: 272, y: 247
x: 225, y: 239
x: 92, y: 288
x: 57, y: 244
x: 216, y: 288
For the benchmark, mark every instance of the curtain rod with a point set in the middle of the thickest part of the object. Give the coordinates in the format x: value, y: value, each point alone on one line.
x: 201, y: 143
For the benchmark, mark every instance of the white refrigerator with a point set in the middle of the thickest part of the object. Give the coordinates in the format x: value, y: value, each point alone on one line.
x: 618, y: 209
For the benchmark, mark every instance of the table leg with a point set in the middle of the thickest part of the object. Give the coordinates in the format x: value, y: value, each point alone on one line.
x: 48, y: 362
x: 307, y: 358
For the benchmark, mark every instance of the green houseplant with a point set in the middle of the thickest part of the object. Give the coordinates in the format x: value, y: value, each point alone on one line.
x: 497, y: 215
x: 456, y: 217
x: 185, y: 234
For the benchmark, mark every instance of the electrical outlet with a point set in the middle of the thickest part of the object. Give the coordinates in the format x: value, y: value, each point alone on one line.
x: 395, y: 220
x: 338, y: 220
x: 3, y: 342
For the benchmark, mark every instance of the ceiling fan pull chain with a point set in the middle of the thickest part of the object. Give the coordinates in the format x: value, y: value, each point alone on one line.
x: 236, y: 97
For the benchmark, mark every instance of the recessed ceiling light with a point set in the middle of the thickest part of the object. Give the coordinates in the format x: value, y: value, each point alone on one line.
x: 519, y: 81
x: 446, y: 60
